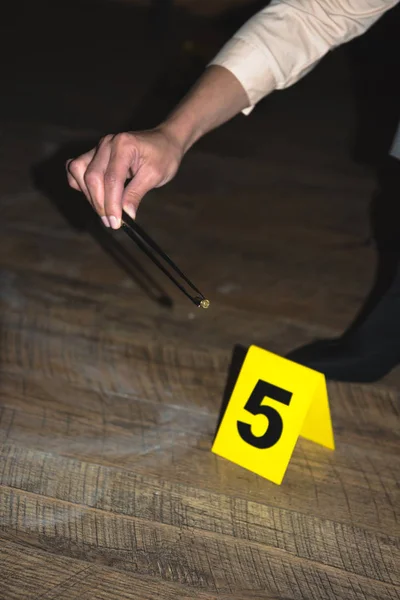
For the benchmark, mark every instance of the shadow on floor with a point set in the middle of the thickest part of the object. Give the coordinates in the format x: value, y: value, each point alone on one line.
x: 49, y: 177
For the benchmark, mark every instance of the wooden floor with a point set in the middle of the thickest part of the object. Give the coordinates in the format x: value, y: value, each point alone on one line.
x: 109, y: 398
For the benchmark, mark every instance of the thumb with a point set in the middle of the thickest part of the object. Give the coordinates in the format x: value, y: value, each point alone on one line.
x: 135, y: 190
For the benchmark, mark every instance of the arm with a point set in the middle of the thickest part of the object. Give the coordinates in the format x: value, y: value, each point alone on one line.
x: 284, y: 41
x: 153, y: 157
x: 216, y: 97
x: 271, y: 51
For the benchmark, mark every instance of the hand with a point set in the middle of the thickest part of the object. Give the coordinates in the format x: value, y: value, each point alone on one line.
x: 149, y: 158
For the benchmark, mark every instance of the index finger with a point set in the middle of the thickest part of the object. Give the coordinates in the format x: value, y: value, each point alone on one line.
x: 114, y: 182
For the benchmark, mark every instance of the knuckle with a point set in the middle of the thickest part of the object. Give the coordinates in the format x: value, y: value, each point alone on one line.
x: 155, y: 174
x: 91, y: 177
x: 110, y: 178
x: 106, y: 139
x: 122, y: 139
x: 132, y: 195
x: 74, y: 166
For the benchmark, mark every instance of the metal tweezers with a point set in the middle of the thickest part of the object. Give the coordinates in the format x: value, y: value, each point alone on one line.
x: 149, y: 247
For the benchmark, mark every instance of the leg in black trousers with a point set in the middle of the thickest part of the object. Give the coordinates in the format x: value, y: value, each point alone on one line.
x: 370, y: 347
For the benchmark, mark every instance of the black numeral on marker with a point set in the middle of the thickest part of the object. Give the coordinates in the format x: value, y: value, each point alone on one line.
x: 262, y: 390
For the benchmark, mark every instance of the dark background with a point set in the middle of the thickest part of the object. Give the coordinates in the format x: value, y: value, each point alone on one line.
x: 91, y: 64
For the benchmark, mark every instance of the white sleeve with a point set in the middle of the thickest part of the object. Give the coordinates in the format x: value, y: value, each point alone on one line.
x: 284, y: 41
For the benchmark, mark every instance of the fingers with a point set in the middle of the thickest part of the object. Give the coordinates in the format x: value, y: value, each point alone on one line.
x: 76, y: 170
x: 71, y: 180
x: 94, y: 178
x: 116, y: 173
x: 101, y: 174
x: 135, y: 190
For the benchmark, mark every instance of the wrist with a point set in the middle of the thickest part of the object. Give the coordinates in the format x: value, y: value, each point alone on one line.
x: 180, y: 131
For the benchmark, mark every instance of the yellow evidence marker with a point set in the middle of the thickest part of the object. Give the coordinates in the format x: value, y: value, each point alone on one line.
x: 274, y: 402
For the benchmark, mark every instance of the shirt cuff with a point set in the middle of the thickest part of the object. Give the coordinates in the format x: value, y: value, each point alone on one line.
x: 250, y: 66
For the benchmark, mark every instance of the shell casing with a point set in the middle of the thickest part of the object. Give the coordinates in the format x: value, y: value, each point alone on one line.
x: 205, y: 303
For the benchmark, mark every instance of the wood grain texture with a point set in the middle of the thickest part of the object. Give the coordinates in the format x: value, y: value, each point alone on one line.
x: 57, y: 577
x: 109, y: 399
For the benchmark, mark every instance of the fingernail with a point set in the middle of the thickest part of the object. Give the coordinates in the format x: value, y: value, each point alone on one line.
x: 105, y: 221
x: 130, y: 209
x: 113, y: 222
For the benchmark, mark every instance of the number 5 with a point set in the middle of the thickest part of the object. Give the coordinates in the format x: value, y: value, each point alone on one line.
x: 274, y: 430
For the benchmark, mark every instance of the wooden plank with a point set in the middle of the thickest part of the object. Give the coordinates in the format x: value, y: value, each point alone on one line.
x: 355, y: 484
x: 31, y: 574
x: 67, y: 307
x: 358, y: 550
x: 154, y: 372
x: 215, y: 563
x: 286, y: 277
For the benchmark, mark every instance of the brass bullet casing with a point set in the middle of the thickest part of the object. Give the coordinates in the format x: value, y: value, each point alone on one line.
x: 205, y: 303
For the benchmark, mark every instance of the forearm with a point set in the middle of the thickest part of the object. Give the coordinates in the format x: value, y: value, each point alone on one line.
x: 285, y: 40
x: 271, y: 51
x: 215, y: 99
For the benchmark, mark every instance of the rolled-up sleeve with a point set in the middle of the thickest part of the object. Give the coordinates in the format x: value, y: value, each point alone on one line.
x: 285, y: 40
